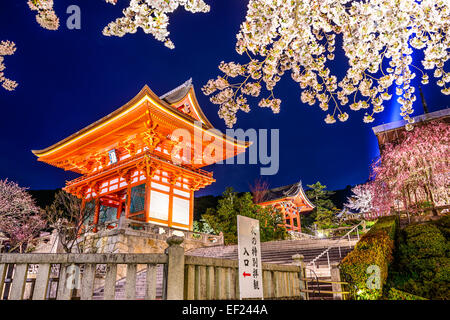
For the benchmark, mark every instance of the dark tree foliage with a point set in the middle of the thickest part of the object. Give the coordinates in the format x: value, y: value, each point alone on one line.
x: 224, y: 217
x: 325, y: 210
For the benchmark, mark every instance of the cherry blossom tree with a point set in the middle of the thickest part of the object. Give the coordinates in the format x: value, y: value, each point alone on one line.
x: 361, y: 199
x: 299, y: 36
x: 20, y: 220
x: 7, y: 48
x: 152, y: 16
x: 414, y: 171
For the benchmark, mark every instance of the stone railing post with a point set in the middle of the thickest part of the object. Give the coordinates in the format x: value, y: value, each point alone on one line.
x: 299, y: 261
x: 335, y: 281
x: 175, y: 268
x: 122, y: 223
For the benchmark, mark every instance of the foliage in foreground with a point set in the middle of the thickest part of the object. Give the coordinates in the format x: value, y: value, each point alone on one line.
x: 224, y: 217
x: 422, y: 262
x: 395, y: 294
x: 375, y: 248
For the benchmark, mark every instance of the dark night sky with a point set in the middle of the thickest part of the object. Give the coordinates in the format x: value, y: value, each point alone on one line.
x: 71, y: 78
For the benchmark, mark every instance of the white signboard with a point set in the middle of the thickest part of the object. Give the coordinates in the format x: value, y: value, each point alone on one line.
x: 249, y: 252
x: 112, y: 156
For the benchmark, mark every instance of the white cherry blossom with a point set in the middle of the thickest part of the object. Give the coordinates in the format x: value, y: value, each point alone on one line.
x: 299, y: 37
x: 7, y: 48
x: 152, y: 16
x: 46, y: 16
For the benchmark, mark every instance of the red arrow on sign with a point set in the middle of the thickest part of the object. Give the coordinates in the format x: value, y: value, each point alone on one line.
x: 246, y: 274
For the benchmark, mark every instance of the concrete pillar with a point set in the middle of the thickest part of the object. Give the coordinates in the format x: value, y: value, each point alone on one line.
x: 299, y: 261
x: 175, y: 268
x: 335, y: 281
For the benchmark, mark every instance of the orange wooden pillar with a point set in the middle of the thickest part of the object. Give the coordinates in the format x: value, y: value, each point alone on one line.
x: 147, y: 200
x: 170, y: 215
x: 291, y: 218
x: 119, y: 210
x: 96, y: 214
x: 191, y: 211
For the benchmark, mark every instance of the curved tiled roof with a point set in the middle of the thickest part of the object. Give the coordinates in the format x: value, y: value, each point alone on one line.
x: 289, y: 191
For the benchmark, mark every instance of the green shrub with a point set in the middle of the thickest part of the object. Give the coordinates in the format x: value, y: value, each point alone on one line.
x: 389, y: 224
x: 354, y: 267
x: 395, y: 294
x: 374, y: 248
x: 378, y: 240
x: 419, y: 242
x: 423, y: 262
x: 443, y: 225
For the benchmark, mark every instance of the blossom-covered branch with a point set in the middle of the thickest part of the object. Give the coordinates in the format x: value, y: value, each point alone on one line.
x: 152, y: 17
x: 6, y: 48
x: 46, y: 16
x: 299, y: 36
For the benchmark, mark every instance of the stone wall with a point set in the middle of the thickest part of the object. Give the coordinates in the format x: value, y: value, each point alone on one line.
x: 131, y: 241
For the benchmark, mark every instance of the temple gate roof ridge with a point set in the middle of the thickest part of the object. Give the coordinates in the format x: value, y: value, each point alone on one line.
x: 165, y: 103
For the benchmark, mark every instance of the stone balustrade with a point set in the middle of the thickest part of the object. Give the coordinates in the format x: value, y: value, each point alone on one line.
x: 185, y: 277
x: 161, y: 232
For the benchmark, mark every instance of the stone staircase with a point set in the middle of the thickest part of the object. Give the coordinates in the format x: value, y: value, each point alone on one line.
x: 281, y: 252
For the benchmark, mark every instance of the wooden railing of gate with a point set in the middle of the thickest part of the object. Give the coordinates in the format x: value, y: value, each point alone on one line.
x: 185, y: 277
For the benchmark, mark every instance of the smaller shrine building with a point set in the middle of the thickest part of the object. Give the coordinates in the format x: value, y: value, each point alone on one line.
x: 292, y: 201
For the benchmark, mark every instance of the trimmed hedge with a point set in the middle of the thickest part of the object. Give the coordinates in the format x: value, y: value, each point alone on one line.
x: 395, y: 294
x: 374, y: 248
x: 443, y: 225
x: 424, y: 261
x: 389, y: 224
